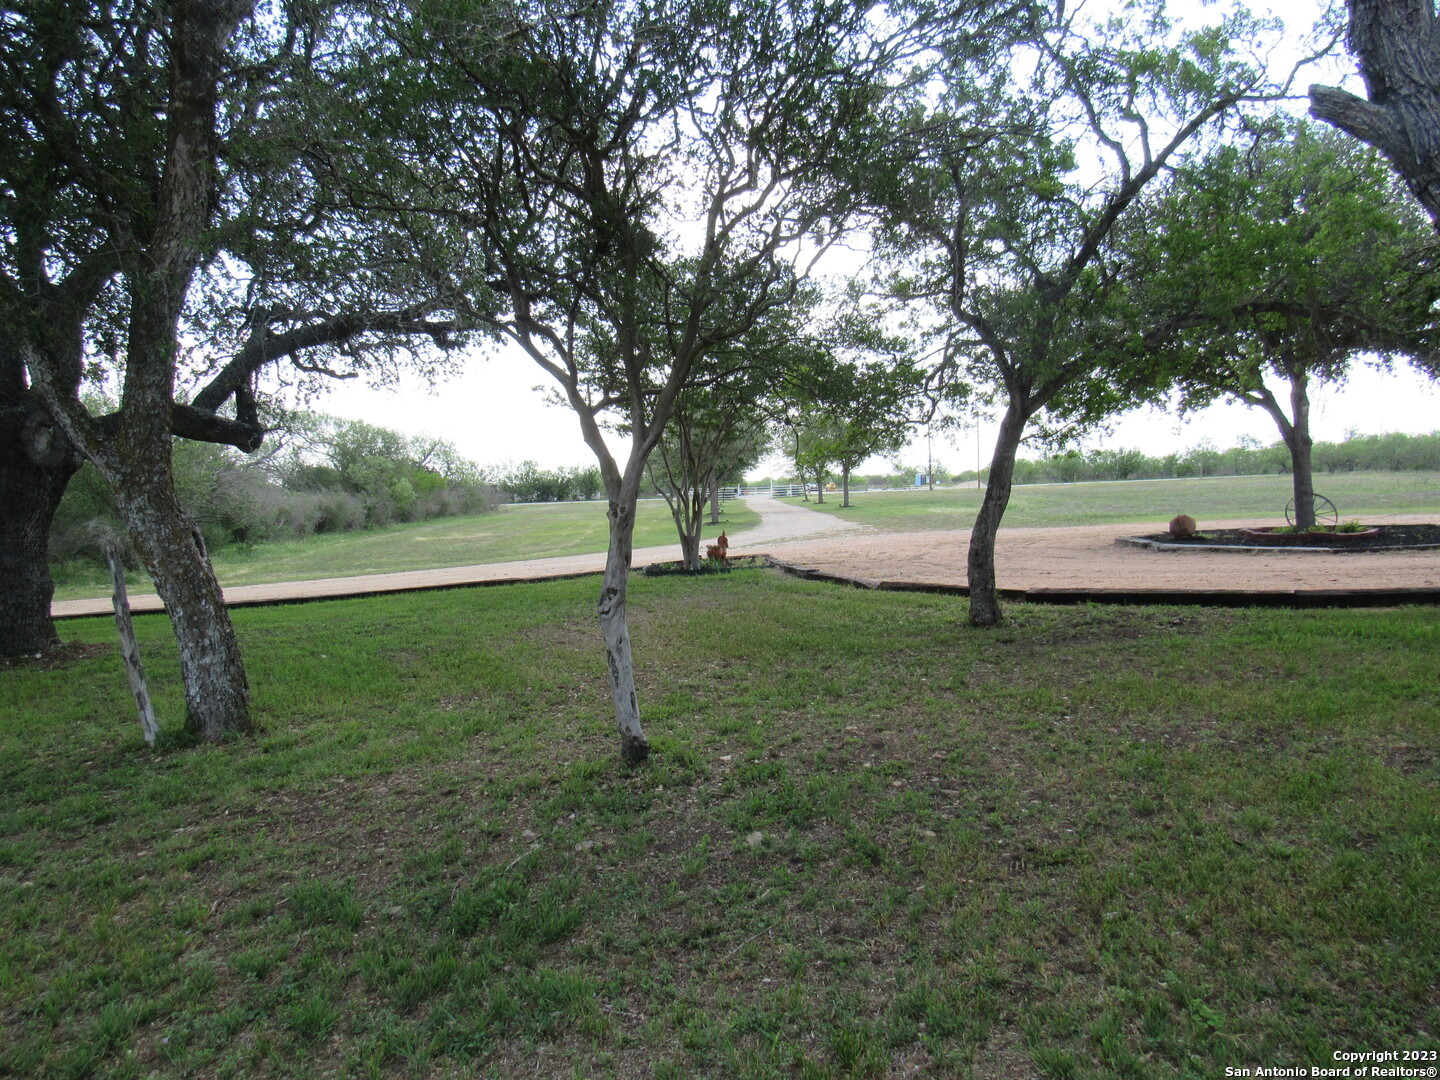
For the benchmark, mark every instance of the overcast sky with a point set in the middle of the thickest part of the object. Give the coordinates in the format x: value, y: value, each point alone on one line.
x: 492, y: 413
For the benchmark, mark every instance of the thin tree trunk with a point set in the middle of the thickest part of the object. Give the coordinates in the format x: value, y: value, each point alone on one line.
x: 799, y: 472
x: 714, y: 500
x: 696, y: 510
x: 217, y: 693
x: 845, y: 485
x: 36, y: 463
x: 634, y: 746
x: 693, y: 504
x: 984, y: 599
x: 130, y: 648
x: 690, y: 551
x: 679, y: 504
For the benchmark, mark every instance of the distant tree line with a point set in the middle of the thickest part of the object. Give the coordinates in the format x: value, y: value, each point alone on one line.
x: 1396, y: 452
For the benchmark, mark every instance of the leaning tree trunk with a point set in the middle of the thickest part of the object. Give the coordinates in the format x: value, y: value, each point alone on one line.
x: 634, y: 746
x: 984, y: 598
x: 217, y: 693
x: 36, y: 463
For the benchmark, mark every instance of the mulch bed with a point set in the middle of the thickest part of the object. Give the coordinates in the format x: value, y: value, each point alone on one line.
x: 712, y: 566
x: 1389, y: 537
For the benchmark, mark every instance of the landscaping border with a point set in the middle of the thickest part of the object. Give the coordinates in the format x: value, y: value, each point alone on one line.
x: 1258, y: 549
x: 1283, y: 598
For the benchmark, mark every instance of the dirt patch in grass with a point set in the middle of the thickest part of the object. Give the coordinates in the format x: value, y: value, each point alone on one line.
x: 60, y: 656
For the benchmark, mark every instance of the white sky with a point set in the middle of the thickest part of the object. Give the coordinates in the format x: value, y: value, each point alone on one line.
x: 492, y: 414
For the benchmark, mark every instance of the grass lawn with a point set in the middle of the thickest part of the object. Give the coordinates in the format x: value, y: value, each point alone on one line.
x: 509, y: 533
x: 1097, y: 842
x: 1262, y: 498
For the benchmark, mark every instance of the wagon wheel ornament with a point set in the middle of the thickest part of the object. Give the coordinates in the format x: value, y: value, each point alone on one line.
x: 1325, y: 512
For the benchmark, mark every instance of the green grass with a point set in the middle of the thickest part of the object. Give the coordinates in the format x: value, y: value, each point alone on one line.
x: 1261, y: 498
x: 1097, y: 842
x: 507, y: 534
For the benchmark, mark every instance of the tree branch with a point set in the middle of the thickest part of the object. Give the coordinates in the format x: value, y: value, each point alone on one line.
x: 1357, y: 117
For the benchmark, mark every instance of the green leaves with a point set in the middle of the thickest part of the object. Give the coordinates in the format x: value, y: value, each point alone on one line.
x: 1288, y: 254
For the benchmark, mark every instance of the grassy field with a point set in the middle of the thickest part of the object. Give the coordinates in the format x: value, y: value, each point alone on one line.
x: 530, y: 531
x: 1098, y: 842
x: 1259, y: 498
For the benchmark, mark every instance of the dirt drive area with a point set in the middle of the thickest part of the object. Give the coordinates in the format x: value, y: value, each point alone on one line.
x: 1088, y: 557
x: 1085, y: 557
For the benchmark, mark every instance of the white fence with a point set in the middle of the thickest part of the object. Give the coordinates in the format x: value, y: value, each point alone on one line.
x: 768, y: 491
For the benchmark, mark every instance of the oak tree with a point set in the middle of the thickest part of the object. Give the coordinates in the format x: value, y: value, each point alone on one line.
x: 1397, y: 43
x: 640, y: 187
x: 131, y: 175
x: 1287, y: 256
x: 111, y: 152
x: 1003, y: 199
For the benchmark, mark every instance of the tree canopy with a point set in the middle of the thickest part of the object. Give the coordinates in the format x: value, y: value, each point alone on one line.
x: 1000, y: 203
x: 1288, y: 256
x: 640, y: 187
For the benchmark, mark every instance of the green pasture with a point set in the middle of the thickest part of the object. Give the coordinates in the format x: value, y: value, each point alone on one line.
x: 1260, y: 499
x: 506, y: 534
x: 872, y: 842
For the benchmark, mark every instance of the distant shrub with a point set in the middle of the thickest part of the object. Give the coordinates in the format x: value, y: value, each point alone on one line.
x: 336, y: 477
x: 528, y: 482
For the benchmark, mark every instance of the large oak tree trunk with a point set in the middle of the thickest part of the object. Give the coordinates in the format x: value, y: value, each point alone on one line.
x: 1294, y: 429
x: 1300, y: 444
x: 132, y: 448
x: 620, y: 664
x: 36, y: 463
x: 1397, y: 45
x: 217, y: 693
x: 984, y: 599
